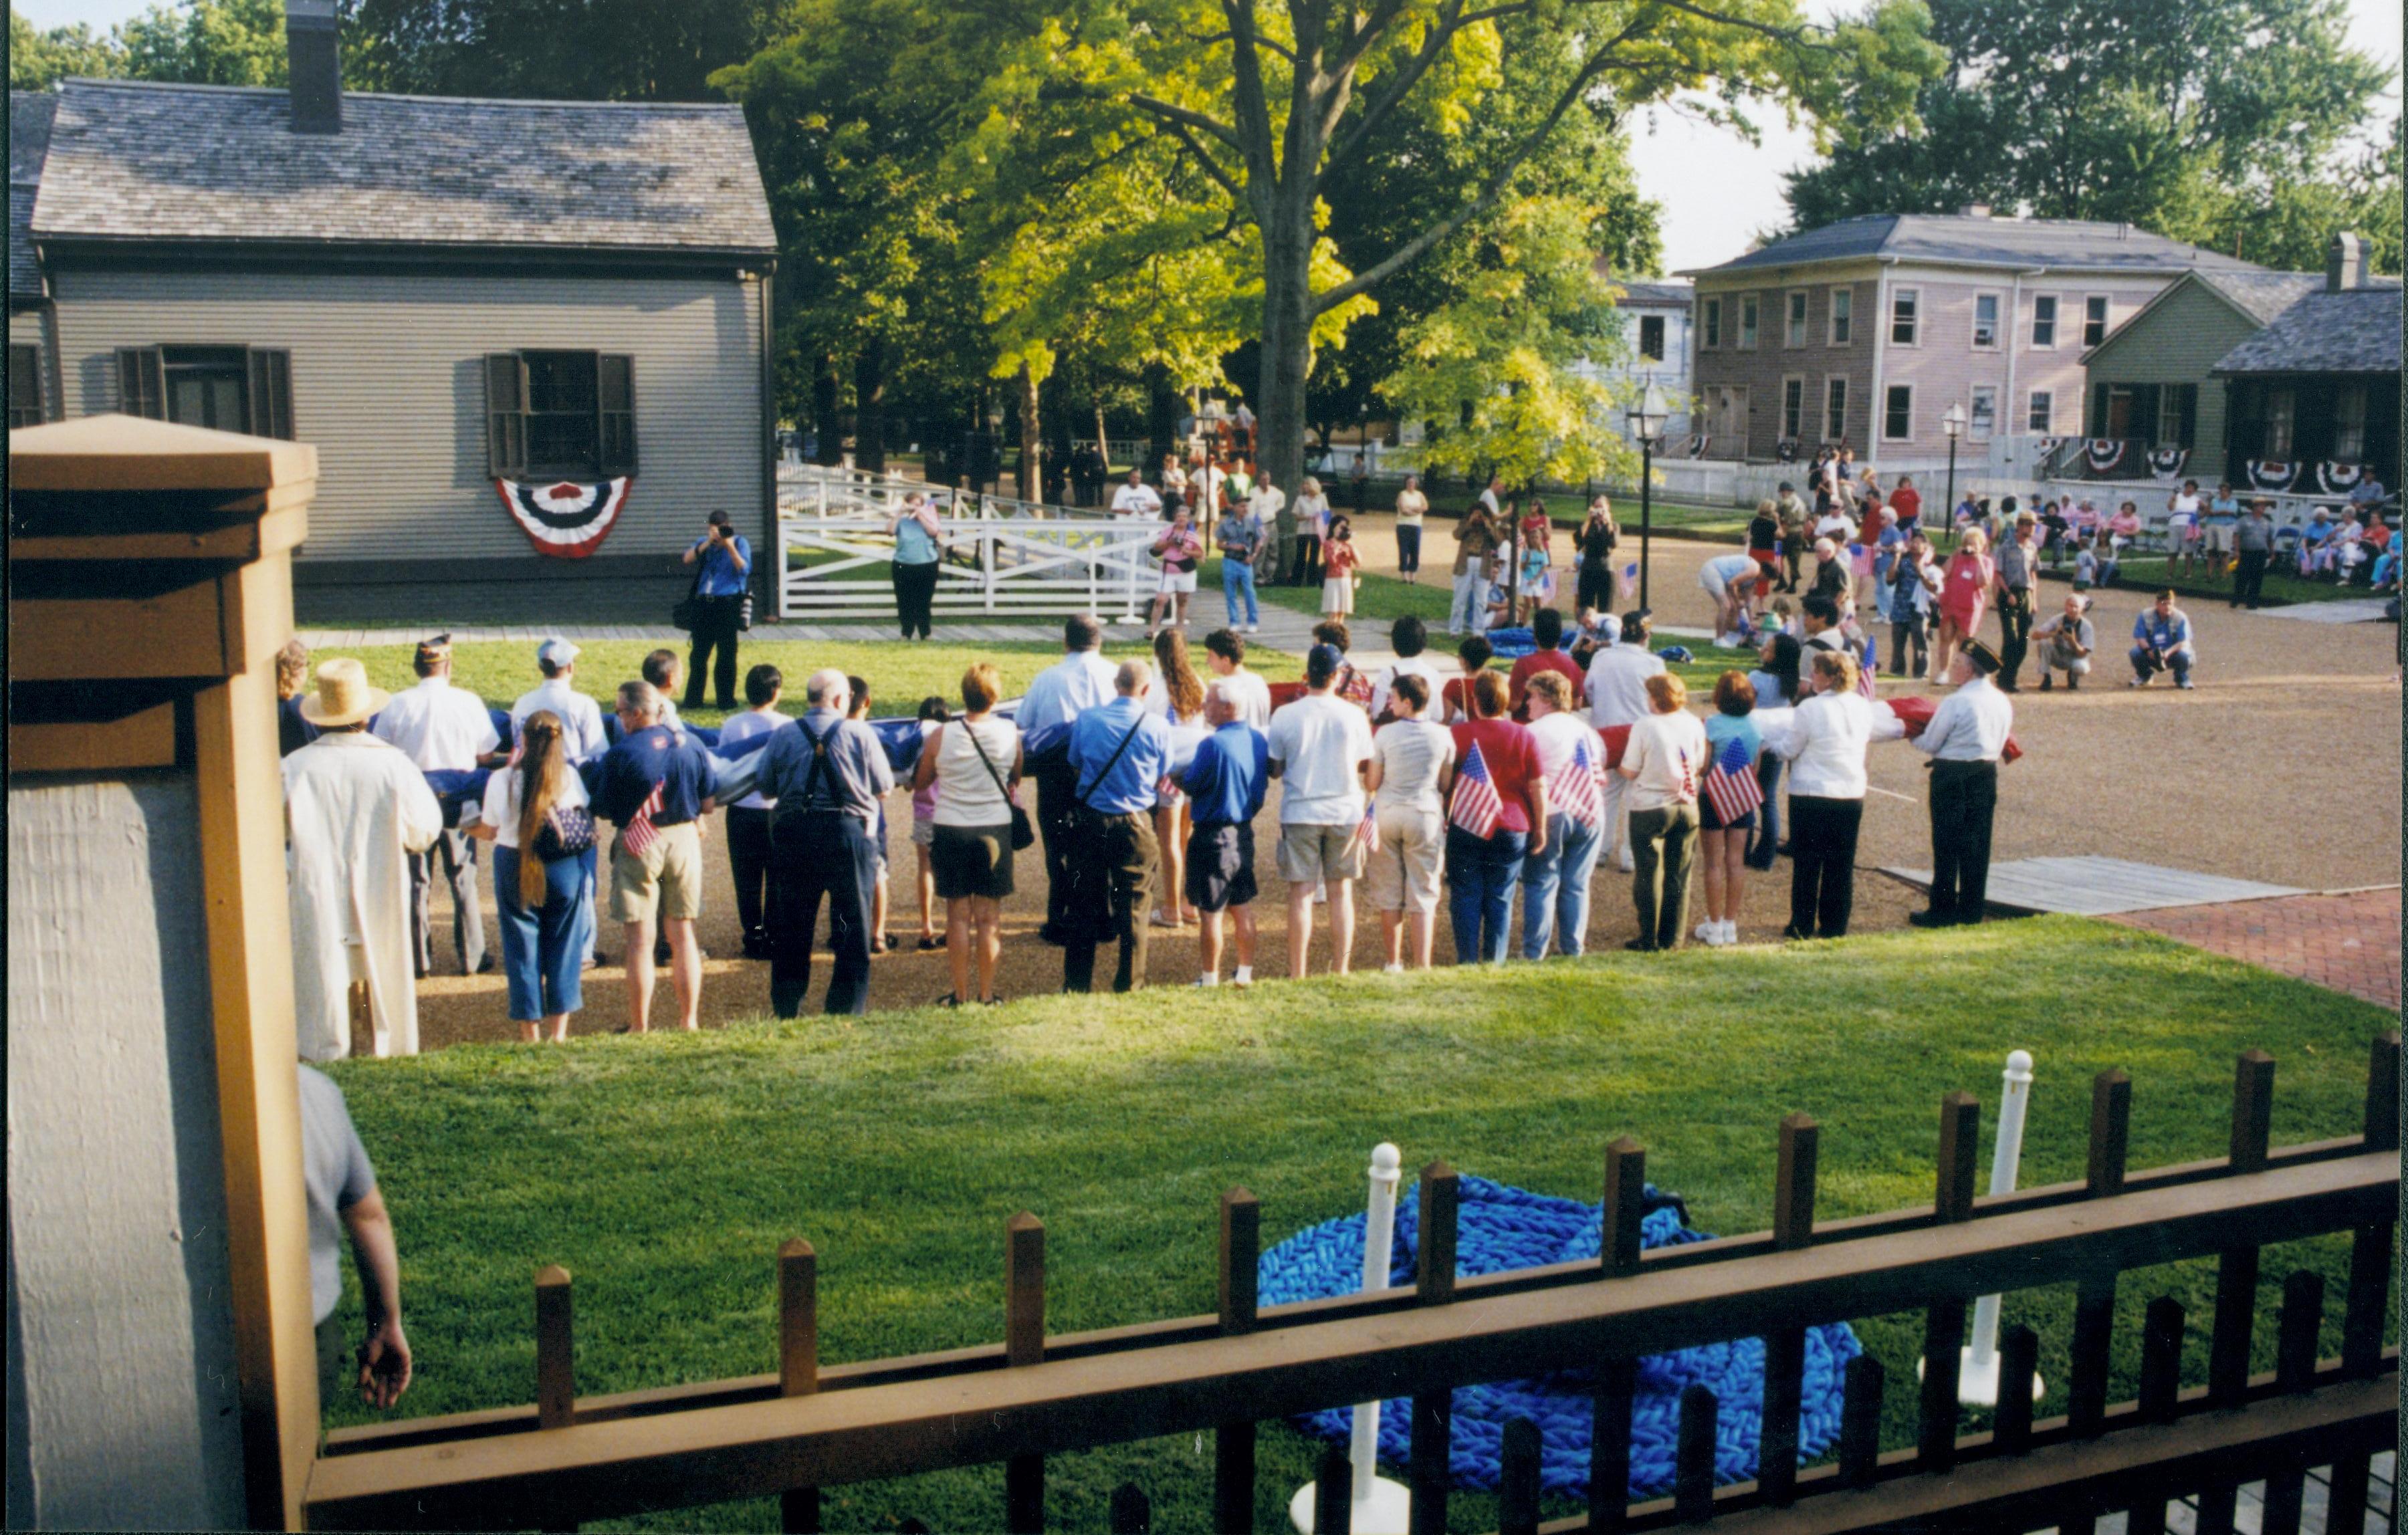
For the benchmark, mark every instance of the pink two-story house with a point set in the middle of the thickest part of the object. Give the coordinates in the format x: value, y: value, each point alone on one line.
x: 1865, y: 331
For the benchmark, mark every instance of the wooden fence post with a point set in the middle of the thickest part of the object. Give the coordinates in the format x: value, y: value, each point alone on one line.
x: 1517, y: 1479
x: 2161, y: 1340
x: 2236, y: 1271
x: 1784, y: 1347
x: 1440, y: 1190
x: 1693, y: 1463
x: 1943, y: 1322
x: 1233, y: 1442
x: 2018, y: 1362
x: 1433, y: 1425
x: 1333, y: 1493
x: 1024, y: 1343
x: 2094, y: 1299
x: 2363, y: 1305
x: 1609, y: 1449
x: 1860, y: 1421
x: 1132, y: 1511
x: 555, y: 1357
x: 798, y: 1364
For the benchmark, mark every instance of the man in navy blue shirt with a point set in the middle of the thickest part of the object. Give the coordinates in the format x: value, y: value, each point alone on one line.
x: 1224, y: 783
x: 719, y: 589
x: 661, y: 873
x: 828, y: 777
x: 1120, y: 753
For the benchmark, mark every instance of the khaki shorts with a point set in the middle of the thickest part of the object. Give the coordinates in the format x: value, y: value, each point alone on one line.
x: 1314, y: 852
x: 668, y: 876
x: 2219, y: 537
x: 1403, y: 876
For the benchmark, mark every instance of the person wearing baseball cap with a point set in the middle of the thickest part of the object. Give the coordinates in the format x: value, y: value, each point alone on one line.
x: 445, y: 730
x: 580, y: 717
x: 1967, y: 736
x: 356, y: 807
x: 2018, y: 566
x: 2253, y: 545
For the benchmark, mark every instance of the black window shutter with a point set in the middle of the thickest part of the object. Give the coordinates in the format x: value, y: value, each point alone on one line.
x: 2185, y: 402
x: 615, y: 394
x: 504, y: 415
x: 141, y: 383
x: 271, y: 393
x: 2097, y: 410
x: 25, y: 386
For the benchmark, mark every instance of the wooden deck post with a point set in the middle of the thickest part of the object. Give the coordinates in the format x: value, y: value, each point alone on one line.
x: 2094, y: 1296
x: 1132, y: 1512
x: 1860, y: 1421
x: 1333, y: 1493
x: 1693, y: 1465
x: 1233, y: 1442
x: 2161, y: 1340
x: 1433, y: 1425
x: 1024, y: 1343
x: 1517, y: 1479
x: 798, y: 1363
x: 1625, y: 1195
x: 2236, y: 1271
x: 1943, y: 1322
x: 1618, y: 1248
x: 555, y: 1360
x: 1784, y: 1347
x: 2018, y: 1362
x: 2364, y: 1304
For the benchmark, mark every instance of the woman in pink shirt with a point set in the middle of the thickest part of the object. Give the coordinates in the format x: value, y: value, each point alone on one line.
x: 1964, y: 596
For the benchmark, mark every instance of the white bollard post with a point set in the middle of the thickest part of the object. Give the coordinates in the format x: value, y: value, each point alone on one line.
x: 1977, y: 1375
x: 1381, y: 1507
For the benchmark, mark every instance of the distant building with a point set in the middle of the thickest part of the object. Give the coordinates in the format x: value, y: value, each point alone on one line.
x: 1867, y: 330
x: 1657, y: 349
x: 33, y: 351
x: 529, y: 339
x: 2315, y: 395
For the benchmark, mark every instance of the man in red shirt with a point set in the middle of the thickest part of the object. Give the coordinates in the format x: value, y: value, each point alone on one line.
x: 1547, y: 629
x: 1908, y: 503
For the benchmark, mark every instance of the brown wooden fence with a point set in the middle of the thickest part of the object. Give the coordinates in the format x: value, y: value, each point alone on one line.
x: 567, y: 1459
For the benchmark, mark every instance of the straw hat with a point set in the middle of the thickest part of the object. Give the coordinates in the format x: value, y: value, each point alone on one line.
x: 344, y: 696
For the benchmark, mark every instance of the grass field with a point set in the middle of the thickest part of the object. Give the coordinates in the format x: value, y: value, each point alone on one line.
x: 663, y: 1171
x: 2150, y: 572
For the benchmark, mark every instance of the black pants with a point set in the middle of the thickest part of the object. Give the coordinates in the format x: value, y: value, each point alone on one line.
x: 1964, y: 799
x: 1765, y: 841
x: 1822, y: 863
x: 1792, y: 546
x: 1116, y: 859
x: 457, y: 853
x: 748, y: 859
x: 2015, y: 634
x: 1308, y: 561
x: 915, y: 595
x: 1905, y: 635
x: 715, y: 632
x: 1057, y: 791
x: 1596, y: 588
x: 815, y: 855
x: 2249, y: 576
x: 1409, y: 547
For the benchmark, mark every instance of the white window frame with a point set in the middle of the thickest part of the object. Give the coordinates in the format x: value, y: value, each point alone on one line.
x: 1915, y: 322
x: 1796, y: 328
x: 1907, y: 436
x: 1975, y: 427
x: 1793, y: 429
x: 1839, y: 379
x: 2349, y: 426
x: 2106, y: 303
x: 1751, y: 321
x: 1973, y: 332
x: 1710, y: 318
x: 2040, y: 412
x: 1834, y: 319
x: 2055, y: 321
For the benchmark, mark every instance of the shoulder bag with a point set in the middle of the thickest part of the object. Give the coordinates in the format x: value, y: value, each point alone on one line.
x: 1023, y: 833
x: 687, y: 615
x: 567, y: 831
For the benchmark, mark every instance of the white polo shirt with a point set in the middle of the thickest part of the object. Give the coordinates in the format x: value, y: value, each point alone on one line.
x: 440, y: 728
x: 580, y: 717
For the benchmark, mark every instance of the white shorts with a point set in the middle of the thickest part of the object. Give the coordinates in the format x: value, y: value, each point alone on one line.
x: 1175, y: 583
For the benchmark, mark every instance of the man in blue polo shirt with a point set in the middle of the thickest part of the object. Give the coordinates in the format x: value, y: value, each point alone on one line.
x: 828, y: 777
x: 653, y: 786
x: 726, y: 558
x: 1080, y: 680
x: 1224, y: 782
x: 1119, y: 754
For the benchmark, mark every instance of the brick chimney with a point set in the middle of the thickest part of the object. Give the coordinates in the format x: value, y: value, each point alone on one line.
x: 2344, y: 263
x: 316, y: 68
x: 1974, y: 211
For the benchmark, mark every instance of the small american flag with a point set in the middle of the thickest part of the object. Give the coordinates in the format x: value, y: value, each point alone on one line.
x: 1367, y: 831
x: 1865, y: 670
x: 1475, y: 807
x: 1580, y: 795
x: 1731, y: 783
x: 639, y: 834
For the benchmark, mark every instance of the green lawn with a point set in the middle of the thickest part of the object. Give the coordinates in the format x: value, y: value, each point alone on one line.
x: 899, y: 674
x: 2149, y: 572
x: 663, y: 1171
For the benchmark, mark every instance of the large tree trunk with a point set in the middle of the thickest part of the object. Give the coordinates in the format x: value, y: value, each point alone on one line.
x: 1287, y: 341
x: 823, y: 418
x: 1032, y: 453
x: 1161, y: 415
x: 870, y: 407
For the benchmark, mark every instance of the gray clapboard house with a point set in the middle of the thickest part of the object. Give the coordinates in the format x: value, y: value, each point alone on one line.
x: 443, y: 295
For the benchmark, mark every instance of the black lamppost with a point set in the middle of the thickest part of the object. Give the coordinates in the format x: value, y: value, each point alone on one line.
x: 1646, y: 418
x: 1952, y: 422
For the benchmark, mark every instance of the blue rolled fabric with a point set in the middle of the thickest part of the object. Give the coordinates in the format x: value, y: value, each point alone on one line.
x: 454, y: 789
x: 503, y: 727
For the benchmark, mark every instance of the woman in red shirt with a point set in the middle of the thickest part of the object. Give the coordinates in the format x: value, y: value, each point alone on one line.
x: 1964, y: 596
x: 1482, y: 871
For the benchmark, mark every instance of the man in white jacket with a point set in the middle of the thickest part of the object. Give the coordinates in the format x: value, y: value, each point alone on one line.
x: 356, y: 807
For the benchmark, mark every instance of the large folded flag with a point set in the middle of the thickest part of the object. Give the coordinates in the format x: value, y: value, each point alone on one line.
x: 1475, y: 807
x: 1580, y: 793
x: 640, y: 833
x: 1731, y: 786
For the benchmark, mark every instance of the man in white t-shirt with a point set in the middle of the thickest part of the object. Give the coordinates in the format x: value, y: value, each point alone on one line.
x: 580, y: 717
x: 443, y: 729
x: 1617, y: 696
x: 1224, y: 652
x: 1319, y: 747
x: 1136, y: 499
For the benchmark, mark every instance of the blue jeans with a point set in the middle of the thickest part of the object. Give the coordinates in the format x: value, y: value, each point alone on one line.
x: 1236, y: 577
x: 1768, y: 815
x: 543, y: 950
x: 2146, y: 665
x: 1480, y: 874
x: 1555, y: 887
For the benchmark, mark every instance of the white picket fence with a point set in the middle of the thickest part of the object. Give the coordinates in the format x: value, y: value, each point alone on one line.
x: 1003, y: 558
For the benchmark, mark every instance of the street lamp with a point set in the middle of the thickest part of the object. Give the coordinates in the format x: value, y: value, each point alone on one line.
x: 1952, y: 420
x: 1646, y: 418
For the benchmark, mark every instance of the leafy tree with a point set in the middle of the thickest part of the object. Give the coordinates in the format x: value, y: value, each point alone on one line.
x: 2211, y: 121
x: 209, y: 42
x: 558, y: 49
x: 38, y: 59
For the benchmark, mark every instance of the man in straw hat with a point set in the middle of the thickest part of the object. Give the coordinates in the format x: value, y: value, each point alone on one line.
x: 356, y: 807
x: 1966, y: 734
x: 443, y: 729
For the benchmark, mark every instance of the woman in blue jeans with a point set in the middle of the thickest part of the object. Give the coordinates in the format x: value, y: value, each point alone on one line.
x: 1555, y: 876
x: 1495, y: 759
x: 546, y: 906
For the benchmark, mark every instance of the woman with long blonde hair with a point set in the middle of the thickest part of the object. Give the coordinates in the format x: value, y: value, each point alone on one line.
x: 1176, y: 694
x: 543, y: 877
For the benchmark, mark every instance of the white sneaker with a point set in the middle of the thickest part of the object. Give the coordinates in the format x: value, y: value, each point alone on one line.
x: 1706, y: 931
x: 1253, y: 628
x: 1629, y: 865
x: 1731, y: 934
x: 1392, y: 969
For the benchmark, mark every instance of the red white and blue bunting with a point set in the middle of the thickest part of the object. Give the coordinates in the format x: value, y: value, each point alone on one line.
x: 2273, y: 474
x: 1699, y: 444
x: 1785, y: 449
x: 2340, y: 479
x: 2166, y: 463
x: 566, y: 520
x: 2103, y: 453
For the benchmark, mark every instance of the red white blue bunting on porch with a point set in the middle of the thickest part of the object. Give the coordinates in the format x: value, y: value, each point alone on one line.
x: 566, y: 520
x: 1785, y: 449
x: 2340, y: 479
x: 2166, y: 463
x: 2103, y: 453
x: 2273, y: 474
x: 1699, y: 444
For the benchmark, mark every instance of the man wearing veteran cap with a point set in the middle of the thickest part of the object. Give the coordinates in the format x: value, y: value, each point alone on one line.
x: 355, y: 809
x: 1967, y: 733
x: 580, y: 717
x: 443, y: 729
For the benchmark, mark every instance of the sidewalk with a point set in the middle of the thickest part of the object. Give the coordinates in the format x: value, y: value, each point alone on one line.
x: 2348, y: 941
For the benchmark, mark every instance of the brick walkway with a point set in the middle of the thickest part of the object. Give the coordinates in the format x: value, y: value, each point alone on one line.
x: 2349, y: 943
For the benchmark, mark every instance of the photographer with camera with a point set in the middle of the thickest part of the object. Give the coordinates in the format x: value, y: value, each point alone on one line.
x: 716, y: 609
